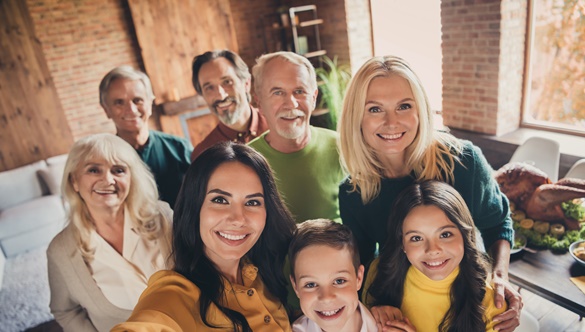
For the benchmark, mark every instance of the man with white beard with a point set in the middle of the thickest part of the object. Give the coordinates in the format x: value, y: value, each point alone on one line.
x: 304, y: 158
x: 222, y: 78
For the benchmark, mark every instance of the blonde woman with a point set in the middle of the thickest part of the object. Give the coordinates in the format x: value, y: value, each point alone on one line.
x: 387, y: 142
x: 118, y: 235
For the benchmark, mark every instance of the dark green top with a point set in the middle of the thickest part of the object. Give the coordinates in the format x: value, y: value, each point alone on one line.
x: 473, y: 180
x: 168, y: 157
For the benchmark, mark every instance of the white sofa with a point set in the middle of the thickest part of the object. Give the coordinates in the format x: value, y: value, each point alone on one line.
x: 31, y: 207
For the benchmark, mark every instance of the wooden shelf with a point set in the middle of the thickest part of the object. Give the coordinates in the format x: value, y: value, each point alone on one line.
x: 314, y: 54
x: 310, y: 23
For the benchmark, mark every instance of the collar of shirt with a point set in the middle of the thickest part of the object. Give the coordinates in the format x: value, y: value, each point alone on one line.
x: 234, y: 135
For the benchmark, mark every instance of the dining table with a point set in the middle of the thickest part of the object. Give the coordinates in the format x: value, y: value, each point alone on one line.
x: 547, y: 274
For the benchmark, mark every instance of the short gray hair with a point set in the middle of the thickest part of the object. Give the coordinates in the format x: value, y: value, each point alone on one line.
x: 124, y: 72
x: 258, y: 69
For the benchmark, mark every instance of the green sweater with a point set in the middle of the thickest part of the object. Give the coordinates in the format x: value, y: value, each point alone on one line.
x: 473, y: 180
x: 308, y: 180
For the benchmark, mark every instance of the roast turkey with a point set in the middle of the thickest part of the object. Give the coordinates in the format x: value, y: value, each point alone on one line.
x: 534, y: 193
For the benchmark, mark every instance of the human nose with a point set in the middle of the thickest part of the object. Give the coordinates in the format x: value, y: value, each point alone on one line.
x: 108, y: 177
x: 326, y: 293
x: 292, y: 102
x: 236, y: 215
x: 433, y: 247
x: 131, y: 107
x: 391, y: 118
x: 222, y: 93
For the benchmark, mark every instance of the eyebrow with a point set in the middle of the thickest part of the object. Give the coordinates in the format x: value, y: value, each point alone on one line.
x: 440, y: 229
x: 221, y: 79
x: 221, y: 192
x: 310, y: 276
x: 399, y: 102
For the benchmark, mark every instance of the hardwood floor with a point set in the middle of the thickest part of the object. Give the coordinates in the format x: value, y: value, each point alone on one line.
x: 551, y: 317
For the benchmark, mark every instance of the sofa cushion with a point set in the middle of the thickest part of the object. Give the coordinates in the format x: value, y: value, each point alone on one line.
x: 53, y: 174
x: 20, y: 185
x: 31, y: 215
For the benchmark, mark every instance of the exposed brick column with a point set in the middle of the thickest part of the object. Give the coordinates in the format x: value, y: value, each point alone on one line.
x: 483, y: 60
x: 82, y: 40
x: 359, y: 30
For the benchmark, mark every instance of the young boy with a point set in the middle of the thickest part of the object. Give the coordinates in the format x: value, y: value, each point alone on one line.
x: 326, y: 275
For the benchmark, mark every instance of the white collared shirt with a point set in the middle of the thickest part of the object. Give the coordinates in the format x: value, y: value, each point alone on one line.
x: 304, y: 324
x: 122, y: 278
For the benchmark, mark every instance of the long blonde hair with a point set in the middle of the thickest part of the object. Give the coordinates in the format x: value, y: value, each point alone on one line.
x: 141, y: 202
x: 425, y: 156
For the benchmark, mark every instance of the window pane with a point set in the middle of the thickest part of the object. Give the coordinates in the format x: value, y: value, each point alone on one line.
x: 556, y: 81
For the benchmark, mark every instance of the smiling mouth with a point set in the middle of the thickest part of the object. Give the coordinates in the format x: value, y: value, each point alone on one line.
x: 390, y: 137
x: 224, y: 103
x: 330, y: 314
x: 104, y: 192
x: 232, y: 237
x: 435, y: 264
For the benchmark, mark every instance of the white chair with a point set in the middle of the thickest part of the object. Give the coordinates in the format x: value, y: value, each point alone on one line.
x: 542, y: 153
x: 577, y: 171
x: 528, y: 323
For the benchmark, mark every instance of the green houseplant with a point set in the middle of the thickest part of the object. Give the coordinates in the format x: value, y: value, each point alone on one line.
x: 333, y: 79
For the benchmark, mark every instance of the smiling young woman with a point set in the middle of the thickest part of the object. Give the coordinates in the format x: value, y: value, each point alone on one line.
x: 231, y: 233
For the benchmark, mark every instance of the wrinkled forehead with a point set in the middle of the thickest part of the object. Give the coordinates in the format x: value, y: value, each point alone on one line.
x: 122, y: 87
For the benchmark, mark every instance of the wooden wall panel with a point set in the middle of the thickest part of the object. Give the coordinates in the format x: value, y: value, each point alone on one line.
x: 32, y: 121
x: 172, y: 32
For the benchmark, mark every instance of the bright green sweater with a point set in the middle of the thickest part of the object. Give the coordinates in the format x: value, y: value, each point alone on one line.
x: 308, y: 180
x: 473, y: 180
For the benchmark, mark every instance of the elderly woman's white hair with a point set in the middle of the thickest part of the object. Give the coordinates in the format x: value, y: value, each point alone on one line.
x: 141, y: 202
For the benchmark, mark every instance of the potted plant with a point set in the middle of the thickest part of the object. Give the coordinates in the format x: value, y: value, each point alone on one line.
x: 333, y: 79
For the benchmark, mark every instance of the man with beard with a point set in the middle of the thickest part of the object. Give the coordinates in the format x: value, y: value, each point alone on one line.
x: 222, y: 78
x: 304, y: 158
x: 126, y: 96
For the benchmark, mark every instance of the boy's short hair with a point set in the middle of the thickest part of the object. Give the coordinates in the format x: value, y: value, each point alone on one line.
x: 322, y: 232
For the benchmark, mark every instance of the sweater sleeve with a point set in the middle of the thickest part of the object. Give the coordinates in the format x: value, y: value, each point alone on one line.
x: 350, y: 206
x: 490, y: 207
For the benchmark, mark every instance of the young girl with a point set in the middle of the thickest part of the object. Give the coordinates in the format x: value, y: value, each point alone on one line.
x: 231, y: 233
x: 430, y: 267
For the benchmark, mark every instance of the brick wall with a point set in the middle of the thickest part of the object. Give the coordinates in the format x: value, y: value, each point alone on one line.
x: 359, y: 26
x: 483, y: 60
x: 82, y: 40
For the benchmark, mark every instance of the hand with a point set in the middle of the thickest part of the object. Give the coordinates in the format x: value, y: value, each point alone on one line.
x: 509, y: 319
x: 399, y: 326
x: 385, y: 313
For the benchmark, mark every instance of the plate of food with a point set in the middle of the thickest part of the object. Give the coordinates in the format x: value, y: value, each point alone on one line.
x: 519, y: 243
x: 577, y: 250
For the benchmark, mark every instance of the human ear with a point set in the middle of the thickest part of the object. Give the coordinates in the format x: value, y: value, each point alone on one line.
x: 73, y: 183
x: 294, y: 284
x: 360, y: 277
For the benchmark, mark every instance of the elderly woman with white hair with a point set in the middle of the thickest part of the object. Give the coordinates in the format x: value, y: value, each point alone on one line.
x: 118, y: 235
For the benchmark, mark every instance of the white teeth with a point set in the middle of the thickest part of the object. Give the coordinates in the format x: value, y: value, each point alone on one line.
x: 105, y: 191
x: 330, y: 313
x: 231, y: 237
x: 435, y: 263
x: 225, y: 103
x: 395, y: 136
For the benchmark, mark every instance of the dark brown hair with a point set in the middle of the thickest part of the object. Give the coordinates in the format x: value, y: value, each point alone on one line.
x: 322, y: 232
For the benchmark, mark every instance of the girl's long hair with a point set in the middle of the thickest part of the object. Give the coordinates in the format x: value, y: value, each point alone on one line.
x: 466, y: 312
x: 268, y: 254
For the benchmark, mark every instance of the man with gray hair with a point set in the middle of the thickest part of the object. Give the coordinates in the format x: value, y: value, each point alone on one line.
x: 126, y: 96
x: 304, y: 158
x: 222, y: 78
